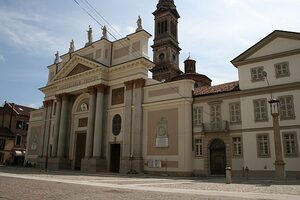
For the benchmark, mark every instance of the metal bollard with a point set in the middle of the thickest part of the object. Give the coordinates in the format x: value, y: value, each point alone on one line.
x: 228, y: 175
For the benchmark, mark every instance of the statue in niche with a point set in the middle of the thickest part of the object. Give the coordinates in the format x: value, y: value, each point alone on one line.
x: 72, y: 47
x: 139, y: 24
x: 104, y: 33
x: 57, y: 59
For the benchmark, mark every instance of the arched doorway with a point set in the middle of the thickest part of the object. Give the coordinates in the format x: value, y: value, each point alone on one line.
x: 217, y: 150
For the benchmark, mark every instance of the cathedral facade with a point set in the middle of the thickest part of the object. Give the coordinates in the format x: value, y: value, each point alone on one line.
x: 103, y: 114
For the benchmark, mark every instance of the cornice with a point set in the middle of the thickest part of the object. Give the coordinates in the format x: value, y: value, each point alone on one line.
x: 267, y: 57
x: 249, y: 92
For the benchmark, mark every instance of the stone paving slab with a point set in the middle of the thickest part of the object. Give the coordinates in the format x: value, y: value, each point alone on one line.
x: 216, y: 187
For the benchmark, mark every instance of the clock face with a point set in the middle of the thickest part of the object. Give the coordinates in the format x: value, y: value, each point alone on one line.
x: 84, y: 107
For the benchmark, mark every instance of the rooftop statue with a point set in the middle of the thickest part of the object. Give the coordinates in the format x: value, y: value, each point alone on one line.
x: 57, y: 59
x: 139, y: 24
x: 90, y: 36
x: 104, y: 33
x: 72, y: 47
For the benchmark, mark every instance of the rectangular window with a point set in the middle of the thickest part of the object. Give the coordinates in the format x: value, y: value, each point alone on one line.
x: 215, y: 116
x: 235, y: 112
x: 282, y: 69
x: 117, y: 96
x: 198, y: 145
x: 19, y: 124
x: 257, y: 74
x: 18, y: 140
x: 82, y: 122
x: 290, y: 144
x: 197, y: 116
x: 237, y: 146
x: 2, y: 144
x: 263, y: 148
x: 260, y: 110
x: 286, y: 107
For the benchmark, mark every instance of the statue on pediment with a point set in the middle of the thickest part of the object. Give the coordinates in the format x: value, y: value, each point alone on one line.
x: 90, y: 36
x: 57, y: 58
x: 139, y: 24
x: 104, y: 33
x: 72, y: 47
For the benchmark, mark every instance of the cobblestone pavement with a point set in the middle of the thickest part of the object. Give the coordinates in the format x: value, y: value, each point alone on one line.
x: 19, y: 183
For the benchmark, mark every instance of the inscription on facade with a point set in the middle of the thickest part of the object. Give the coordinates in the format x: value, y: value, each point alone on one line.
x: 77, y: 83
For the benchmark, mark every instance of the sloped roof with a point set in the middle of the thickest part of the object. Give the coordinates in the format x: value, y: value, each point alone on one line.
x: 263, y: 42
x: 21, y: 110
x: 216, y: 89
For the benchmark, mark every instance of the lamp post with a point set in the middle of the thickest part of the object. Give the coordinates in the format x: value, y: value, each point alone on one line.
x: 279, y: 164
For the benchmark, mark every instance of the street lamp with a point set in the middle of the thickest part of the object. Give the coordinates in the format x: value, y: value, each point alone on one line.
x: 274, y: 107
x: 279, y: 163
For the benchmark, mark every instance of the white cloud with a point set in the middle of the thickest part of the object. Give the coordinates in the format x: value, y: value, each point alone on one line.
x: 2, y: 59
x: 22, y: 31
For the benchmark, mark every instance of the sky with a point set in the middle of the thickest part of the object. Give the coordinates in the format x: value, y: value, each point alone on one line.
x: 213, y: 31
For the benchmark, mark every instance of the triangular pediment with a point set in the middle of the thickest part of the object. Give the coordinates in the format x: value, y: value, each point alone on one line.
x: 276, y: 43
x: 78, y: 69
x: 76, y: 65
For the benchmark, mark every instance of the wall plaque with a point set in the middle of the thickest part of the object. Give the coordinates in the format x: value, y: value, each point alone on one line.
x: 162, y: 139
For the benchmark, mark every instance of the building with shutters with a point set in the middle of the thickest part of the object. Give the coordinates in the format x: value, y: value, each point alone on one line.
x: 14, y: 120
x: 102, y: 112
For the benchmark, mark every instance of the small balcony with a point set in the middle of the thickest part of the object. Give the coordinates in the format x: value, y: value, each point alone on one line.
x: 221, y: 126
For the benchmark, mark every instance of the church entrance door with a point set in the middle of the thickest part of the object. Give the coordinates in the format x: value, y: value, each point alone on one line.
x: 115, y: 158
x: 80, y: 149
x: 217, y: 157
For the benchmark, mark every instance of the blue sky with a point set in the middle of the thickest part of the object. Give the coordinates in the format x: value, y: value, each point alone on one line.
x: 213, y: 31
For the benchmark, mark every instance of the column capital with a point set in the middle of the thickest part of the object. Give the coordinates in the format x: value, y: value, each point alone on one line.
x: 92, y: 89
x: 47, y: 103
x: 101, y: 88
x: 129, y: 85
x: 139, y: 83
x: 62, y: 96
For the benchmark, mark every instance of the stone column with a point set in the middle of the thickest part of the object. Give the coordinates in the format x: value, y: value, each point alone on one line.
x: 91, y: 122
x: 137, y: 140
x: 56, y: 127
x: 98, y: 122
x: 63, y: 127
x: 127, y: 136
x: 48, y: 106
x: 279, y: 163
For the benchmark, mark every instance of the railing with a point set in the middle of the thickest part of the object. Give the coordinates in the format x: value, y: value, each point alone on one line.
x: 219, y: 126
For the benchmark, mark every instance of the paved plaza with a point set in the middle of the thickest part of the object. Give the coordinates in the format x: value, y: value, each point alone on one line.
x: 20, y: 183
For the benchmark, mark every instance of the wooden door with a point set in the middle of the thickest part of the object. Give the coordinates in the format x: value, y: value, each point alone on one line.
x: 115, y: 158
x: 80, y: 149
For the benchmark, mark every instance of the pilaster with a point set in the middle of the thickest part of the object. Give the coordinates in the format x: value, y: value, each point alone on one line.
x: 48, y: 106
x: 127, y: 136
x: 56, y: 127
x: 137, y: 152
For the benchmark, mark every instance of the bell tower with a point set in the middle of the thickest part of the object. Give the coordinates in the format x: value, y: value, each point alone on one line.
x: 166, y: 47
